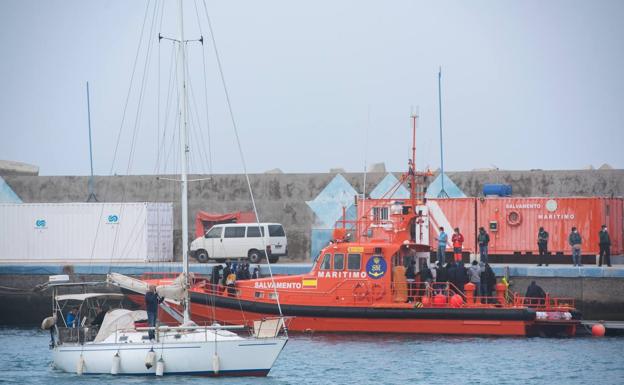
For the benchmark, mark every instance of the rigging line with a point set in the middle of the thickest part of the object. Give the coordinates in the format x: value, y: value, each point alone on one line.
x: 366, y: 150
x: 140, y: 104
x: 112, y: 167
x: 123, y: 116
x: 205, y: 94
x: 201, y: 133
x: 146, y: 67
x: 168, y: 104
x: 240, y: 149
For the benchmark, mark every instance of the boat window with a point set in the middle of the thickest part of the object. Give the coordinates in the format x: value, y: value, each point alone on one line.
x: 234, y: 232
x: 354, y: 262
x: 276, y: 231
x: 258, y: 294
x: 254, y: 231
x: 380, y: 213
x: 215, y: 232
x: 326, y: 264
x: 338, y: 261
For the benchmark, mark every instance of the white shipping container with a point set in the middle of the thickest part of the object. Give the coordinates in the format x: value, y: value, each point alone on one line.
x: 86, y: 232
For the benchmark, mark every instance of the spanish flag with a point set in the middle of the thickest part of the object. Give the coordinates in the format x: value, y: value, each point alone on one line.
x: 308, y: 283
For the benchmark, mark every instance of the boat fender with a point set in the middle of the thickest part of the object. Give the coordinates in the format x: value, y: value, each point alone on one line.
x: 48, y: 322
x: 215, y: 363
x: 116, y: 363
x: 160, y: 367
x: 377, y: 291
x: 80, y: 367
x: 360, y: 291
x: 150, y: 359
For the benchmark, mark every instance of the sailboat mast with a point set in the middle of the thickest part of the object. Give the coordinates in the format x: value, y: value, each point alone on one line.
x: 184, y: 153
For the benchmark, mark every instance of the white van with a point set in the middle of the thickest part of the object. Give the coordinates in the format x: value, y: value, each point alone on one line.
x: 241, y: 240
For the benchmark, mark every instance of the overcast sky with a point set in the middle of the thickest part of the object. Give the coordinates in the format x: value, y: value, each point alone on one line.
x: 526, y: 84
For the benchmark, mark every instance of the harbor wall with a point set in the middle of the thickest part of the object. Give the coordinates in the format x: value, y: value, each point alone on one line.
x: 282, y: 197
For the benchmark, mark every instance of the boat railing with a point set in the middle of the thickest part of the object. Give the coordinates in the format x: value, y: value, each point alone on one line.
x: 75, y: 335
x: 547, y: 303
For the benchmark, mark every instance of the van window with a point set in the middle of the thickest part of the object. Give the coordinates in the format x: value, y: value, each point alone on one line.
x: 215, y: 232
x: 338, y: 261
x: 254, y: 231
x: 353, y: 262
x: 234, y: 232
x: 276, y: 231
x: 326, y: 264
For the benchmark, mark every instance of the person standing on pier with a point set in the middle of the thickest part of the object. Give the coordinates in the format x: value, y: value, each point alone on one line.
x: 458, y: 241
x: 605, y: 246
x: 152, y: 300
x: 575, y: 241
x: 442, y: 240
x: 484, y: 241
x: 542, y: 245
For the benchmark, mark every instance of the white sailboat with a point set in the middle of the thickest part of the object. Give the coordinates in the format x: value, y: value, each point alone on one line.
x: 119, y: 346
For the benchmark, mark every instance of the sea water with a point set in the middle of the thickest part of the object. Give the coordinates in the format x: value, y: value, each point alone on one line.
x: 366, y: 359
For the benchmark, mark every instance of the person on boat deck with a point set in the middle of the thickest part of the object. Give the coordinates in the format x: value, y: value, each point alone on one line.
x: 542, y: 245
x: 462, y: 276
x: 605, y: 246
x: 484, y: 240
x: 215, y: 277
x: 99, y: 316
x: 72, y: 318
x: 227, y: 270
x: 230, y: 283
x: 535, y: 294
x: 441, y: 274
x: 451, y: 271
x: 426, y: 275
x: 152, y: 299
x: 474, y: 272
x: 488, y: 280
x: 410, y: 277
x: 256, y: 273
x: 458, y: 241
x: 442, y: 241
x: 575, y: 241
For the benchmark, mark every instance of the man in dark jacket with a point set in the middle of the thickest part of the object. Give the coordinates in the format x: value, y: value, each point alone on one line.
x: 462, y: 276
x: 410, y: 277
x: 215, y: 277
x: 152, y: 299
x: 484, y: 240
x: 535, y: 294
x: 575, y: 241
x: 605, y: 246
x: 542, y: 245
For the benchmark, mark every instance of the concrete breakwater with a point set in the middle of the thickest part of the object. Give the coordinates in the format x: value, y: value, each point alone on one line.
x: 598, y: 292
x: 282, y: 197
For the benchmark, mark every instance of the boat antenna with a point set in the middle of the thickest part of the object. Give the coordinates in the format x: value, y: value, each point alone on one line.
x: 91, y: 196
x: 184, y: 154
x: 442, y: 193
x: 366, y: 150
x: 412, y: 162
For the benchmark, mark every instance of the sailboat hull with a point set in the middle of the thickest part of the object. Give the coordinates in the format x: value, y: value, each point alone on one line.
x: 236, y: 358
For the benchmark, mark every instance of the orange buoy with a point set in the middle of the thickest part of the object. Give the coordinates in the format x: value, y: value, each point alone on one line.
x: 426, y: 301
x: 439, y: 299
x: 456, y: 300
x: 598, y: 330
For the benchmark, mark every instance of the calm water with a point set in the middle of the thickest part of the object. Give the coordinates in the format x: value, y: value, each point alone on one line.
x: 364, y: 359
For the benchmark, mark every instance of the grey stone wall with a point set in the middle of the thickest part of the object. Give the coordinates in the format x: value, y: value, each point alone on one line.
x: 281, y: 197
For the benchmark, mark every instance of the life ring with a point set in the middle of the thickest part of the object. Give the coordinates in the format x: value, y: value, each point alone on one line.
x: 514, y: 218
x: 360, y: 291
x: 377, y: 291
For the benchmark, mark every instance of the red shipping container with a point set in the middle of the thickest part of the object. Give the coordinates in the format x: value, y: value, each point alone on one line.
x: 513, y: 223
x: 451, y: 213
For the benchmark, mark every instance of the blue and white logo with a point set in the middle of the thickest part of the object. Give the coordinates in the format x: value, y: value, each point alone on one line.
x: 40, y: 224
x: 112, y: 219
x: 376, y: 267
